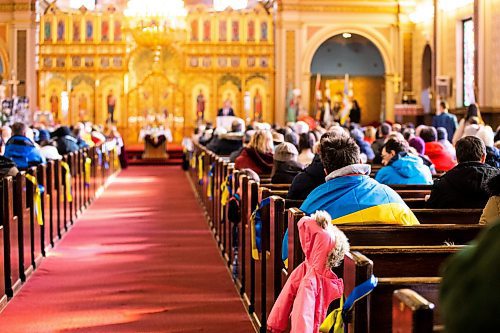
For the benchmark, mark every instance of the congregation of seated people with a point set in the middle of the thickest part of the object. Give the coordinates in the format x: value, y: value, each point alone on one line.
x: 349, y: 175
x: 457, y: 158
x: 23, y: 146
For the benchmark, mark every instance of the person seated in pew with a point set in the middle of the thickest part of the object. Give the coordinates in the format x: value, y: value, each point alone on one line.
x: 78, y: 132
x: 365, y: 147
x: 47, y: 148
x: 491, y: 211
x: 382, y: 133
x: 401, y: 167
x: 439, y: 156
x: 313, y: 175
x: 469, y: 295
x: 66, y: 143
x: 7, y: 167
x: 417, y: 146
x: 225, y: 144
x: 486, y: 134
x: 21, y: 149
x: 258, y: 155
x: 464, y: 186
x: 306, y: 145
x: 246, y: 140
x: 285, y: 166
x: 312, y: 286
x: 442, y: 136
x: 349, y: 194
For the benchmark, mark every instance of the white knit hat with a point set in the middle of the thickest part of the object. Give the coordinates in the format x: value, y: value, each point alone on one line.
x: 486, y: 135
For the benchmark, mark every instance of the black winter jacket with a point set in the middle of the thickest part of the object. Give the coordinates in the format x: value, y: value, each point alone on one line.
x: 285, y: 172
x: 226, y: 145
x: 464, y: 186
x: 306, y: 181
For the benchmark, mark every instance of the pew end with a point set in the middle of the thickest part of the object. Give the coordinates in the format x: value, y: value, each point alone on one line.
x: 411, y: 313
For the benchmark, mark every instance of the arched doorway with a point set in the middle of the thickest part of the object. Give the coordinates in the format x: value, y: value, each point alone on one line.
x: 361, y: 60
x: 426, y: 79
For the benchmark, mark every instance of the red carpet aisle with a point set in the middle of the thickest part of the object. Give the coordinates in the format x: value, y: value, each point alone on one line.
x: 141, y: 259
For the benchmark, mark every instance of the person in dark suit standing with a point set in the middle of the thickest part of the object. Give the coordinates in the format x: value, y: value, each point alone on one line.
x: 226, y: 110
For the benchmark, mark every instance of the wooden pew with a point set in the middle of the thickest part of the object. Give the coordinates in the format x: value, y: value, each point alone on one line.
x: 66, y: 205
x: 11, y: 247
x: 445, y: 216
x: 411, y: 312
x: 35, y: 229
x: 247, y: 264
x: 46, y: 235
x: 24, y: 228
x: 58, y: 198
x: 419, y: 235
x: 396, y: 268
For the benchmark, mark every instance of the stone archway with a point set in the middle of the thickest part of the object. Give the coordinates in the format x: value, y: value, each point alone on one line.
x: 387, y: 52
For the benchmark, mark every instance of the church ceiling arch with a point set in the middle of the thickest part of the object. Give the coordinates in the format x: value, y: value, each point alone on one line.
x: 356, y: 55
x: 374, y: 36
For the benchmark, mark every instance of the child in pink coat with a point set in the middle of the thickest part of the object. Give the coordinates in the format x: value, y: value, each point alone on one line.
x: 312, y: 286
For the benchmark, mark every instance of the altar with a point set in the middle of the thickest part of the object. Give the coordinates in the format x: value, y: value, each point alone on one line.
x: 155, y: 143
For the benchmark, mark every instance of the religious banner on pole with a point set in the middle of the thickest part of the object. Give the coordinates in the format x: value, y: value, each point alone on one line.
x: 344, y: 115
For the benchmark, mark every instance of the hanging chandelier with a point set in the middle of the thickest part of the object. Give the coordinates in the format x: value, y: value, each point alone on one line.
x: 155, y: 23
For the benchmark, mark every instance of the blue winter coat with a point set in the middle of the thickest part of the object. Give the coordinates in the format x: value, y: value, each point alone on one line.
x: 23, y: 152
x: 358, y: 199
x: 405, y: 169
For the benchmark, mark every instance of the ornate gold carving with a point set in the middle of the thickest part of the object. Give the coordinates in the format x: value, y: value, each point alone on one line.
x: 17, y: 6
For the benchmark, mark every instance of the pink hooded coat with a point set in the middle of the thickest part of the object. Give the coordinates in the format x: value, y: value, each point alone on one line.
x: 311, y: 287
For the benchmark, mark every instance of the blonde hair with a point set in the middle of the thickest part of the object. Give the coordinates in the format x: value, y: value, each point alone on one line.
x: 370, y: 132
x: 336, y: 255
x: 262, y: 141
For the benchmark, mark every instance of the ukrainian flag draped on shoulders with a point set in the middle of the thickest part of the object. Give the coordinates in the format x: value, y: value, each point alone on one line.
x: 351, y: 196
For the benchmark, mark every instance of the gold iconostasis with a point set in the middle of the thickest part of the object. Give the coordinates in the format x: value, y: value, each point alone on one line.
x: 94, y: 66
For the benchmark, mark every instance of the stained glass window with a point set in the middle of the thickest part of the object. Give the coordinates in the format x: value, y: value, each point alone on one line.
x: 468, y: 62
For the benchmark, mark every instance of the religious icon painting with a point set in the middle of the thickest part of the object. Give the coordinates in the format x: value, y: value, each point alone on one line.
x: 222, y: 62
x: 235, y: 62
x: 251, y: 62
x: 222, y: 31
x: 89, y: 62
x: 47, y: 62
x: 193, y: 62
x: 89, y: 31
x: 194, y: 30
x: 76, y: 61
x: 235, y: 31
x: 60, y: 62
x: 47, y: 31
x: 206, y: 62
x: 264, y: 62
x: 104, y: 62
x: 117, y: 62
x: 206, y: 31
x: 105, y: 31
x: 60, y: 31
x: 118, y: 31
x: 76, y: 31
x: 251, y: 31
x: 263, y: 31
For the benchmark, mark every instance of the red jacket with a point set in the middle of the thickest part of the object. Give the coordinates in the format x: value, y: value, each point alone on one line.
x: 250, y: 158
x: 439, y: 156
